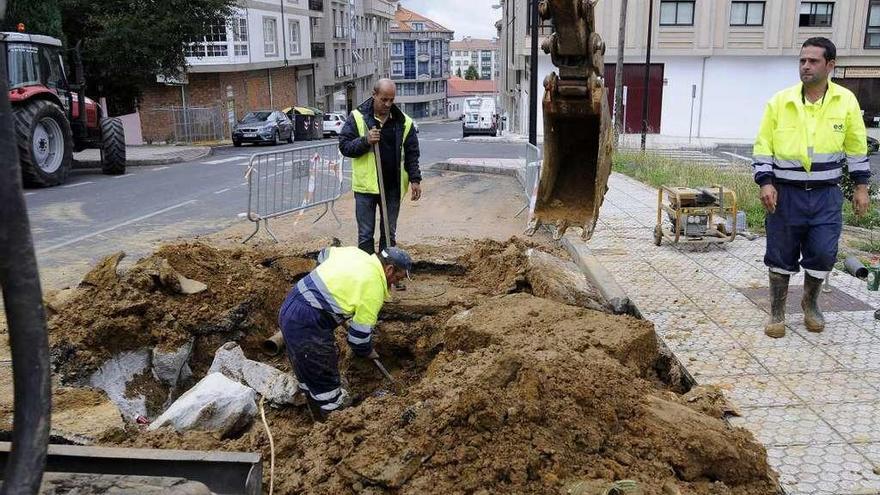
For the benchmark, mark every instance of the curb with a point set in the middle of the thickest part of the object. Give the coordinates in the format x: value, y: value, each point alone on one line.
x: 600, y: 277
x: 475, y: 169
x: 145, y: 162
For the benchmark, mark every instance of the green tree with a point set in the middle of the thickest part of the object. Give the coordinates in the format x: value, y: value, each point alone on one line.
x: 38, y: 17
x: 471, y: 74
x: 458, y: 72
x: 125, y: 44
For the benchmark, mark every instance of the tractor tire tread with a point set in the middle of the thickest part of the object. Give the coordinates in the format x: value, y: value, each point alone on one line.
x: 112, y: 146
x: 24, y: 117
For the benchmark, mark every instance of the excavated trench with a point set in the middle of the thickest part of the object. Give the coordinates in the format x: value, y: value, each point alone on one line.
x: 502, y: 384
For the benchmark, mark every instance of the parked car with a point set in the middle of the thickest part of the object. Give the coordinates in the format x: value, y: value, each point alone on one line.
x: 333, y: 123
x: 873, y: 145
x: 263, y: 126
x: 871, y: 118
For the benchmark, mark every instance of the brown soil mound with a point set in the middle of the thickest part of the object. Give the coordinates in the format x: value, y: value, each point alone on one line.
x: 109, y: 314
x: 497, y: 391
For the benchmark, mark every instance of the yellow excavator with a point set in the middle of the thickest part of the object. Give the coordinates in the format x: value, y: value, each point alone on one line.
x: 578, y: 135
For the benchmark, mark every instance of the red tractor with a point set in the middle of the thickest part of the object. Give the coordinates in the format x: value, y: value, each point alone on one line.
x: 53, y: 118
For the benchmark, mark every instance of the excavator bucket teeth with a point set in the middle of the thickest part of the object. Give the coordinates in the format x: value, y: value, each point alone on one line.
x: 578, y: 135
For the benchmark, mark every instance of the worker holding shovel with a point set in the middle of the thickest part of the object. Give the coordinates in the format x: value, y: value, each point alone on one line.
x: 350, y: 286
x: 383, y: 144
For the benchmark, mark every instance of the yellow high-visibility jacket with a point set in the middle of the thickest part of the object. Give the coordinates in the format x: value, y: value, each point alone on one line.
x: 352, y: 285
x: 787, y: 152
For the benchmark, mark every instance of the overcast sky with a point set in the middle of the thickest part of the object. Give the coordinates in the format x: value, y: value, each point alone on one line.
x: 474, y: 18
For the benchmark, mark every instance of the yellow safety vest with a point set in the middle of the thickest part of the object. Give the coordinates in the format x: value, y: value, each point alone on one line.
x: 788, y: 149
x: 363, y: 168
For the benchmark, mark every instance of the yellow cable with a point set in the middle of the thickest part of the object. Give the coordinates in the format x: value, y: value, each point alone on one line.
x: 271, y: 447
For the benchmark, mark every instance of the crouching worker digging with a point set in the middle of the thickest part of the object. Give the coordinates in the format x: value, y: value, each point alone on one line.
x: 348, y: 284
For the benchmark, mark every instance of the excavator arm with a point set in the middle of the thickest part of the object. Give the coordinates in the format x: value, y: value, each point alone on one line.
x: 578, y: 136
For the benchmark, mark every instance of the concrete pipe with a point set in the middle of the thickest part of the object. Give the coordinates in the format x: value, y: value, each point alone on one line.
x: 855, y: 267
x: 274, y: 344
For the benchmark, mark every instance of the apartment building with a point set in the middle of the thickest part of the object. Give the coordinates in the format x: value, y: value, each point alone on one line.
x: 354, y: 45
x: 259, y: 58
x: 714, y: 63
x: 481, y: 54
x: 420, y: 64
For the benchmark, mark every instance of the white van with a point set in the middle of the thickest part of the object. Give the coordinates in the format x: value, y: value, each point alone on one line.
x: 479, y: 117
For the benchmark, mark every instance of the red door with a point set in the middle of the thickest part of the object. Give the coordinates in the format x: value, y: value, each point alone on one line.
x: 634, y: 80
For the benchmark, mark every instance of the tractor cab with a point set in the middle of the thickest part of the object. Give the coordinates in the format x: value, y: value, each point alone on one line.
x: 53, y: 119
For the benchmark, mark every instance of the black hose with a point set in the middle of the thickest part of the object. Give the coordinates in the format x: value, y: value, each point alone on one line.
x: 23, y: 302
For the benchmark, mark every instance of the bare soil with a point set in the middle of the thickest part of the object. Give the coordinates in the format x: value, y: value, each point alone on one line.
x: 496, y: 390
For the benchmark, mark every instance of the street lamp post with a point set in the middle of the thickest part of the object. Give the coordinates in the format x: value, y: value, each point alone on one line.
x: 647, y: 75
x: 533, y: 78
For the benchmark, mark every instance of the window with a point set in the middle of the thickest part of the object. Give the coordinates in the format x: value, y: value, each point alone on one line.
x: 816, y: 14
x: 747, y: 13
x: 293, y: 27
x: 270, y: 37
x: 397, y: 69
x: 677, y: 12
x: 397, y: 48
x: 418, y: 26
x: 423, y: 47
x: 240, y: 36
x: 872, y: 35
x: 212, y: 44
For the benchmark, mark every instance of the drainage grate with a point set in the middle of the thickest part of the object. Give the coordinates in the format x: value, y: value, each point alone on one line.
x: 836, y: 300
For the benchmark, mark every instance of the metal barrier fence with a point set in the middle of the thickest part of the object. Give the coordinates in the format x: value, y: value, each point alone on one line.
x: 532, y: 174
x: 194, y: 124
x: 285, y: 182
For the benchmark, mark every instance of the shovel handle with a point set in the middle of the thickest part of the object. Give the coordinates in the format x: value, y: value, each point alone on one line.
x: 383, y: 370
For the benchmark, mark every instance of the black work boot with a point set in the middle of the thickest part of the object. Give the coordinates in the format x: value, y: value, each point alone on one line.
x: 778, y: 295
x: 813, y: 319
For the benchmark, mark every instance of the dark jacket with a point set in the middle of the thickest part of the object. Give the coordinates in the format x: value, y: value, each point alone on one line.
x: 352, y: 145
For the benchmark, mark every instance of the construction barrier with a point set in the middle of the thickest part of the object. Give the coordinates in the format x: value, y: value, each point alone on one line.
x: 530, y: 177
x: 291, y: 181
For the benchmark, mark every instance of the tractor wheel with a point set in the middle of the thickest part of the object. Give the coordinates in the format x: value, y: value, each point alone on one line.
x: 45, y: 143
x: 112, y: 146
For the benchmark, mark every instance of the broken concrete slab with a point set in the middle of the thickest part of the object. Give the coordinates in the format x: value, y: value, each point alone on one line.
x: 72, y: 483
x: 278, y: 387
x: 216, y: 403
x: 114, y: 375
x: 171, y: 366
x: 560, y: 280
x: 104, y: 274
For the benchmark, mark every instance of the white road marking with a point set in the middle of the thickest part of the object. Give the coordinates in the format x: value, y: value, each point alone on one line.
x: 77, y: 184
x: 224, y: 160
x: 114, y: 227
x: 124, y: 176
x: 221, y: 191
x: 737, y: 156
x: 242, y: 215
x: 29, y: 193
x: 158, y: 168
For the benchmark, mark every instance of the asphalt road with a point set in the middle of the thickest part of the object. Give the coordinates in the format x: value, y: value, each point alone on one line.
x: 94, y: 215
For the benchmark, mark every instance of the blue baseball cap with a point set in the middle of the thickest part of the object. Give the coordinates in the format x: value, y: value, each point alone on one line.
x: 398, y: 258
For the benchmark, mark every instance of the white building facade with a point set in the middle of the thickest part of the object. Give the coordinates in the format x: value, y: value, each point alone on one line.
x: 481, y: 54
x: 715, y: 63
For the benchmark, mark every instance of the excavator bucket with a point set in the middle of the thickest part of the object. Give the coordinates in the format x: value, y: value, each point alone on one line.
x: 578, y: 135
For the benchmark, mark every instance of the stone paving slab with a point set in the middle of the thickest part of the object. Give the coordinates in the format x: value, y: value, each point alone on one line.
x: 812, y: 399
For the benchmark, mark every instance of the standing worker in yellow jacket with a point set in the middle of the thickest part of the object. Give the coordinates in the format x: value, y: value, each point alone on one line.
x: 808, y: 133
x: 378, y: 120
x: 348, y: 284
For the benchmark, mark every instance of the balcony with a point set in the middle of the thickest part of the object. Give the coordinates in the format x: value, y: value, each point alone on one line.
x: 318, y: 50
x: 380, y: 8
x: 423, y: 57
x: 317, y: 5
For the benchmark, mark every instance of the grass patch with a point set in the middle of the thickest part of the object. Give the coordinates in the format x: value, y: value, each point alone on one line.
x: 872, y: 246
x: 871, y: 219
x: 656, y: 170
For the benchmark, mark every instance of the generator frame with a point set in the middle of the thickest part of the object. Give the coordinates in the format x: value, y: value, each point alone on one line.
x: 674, y: 208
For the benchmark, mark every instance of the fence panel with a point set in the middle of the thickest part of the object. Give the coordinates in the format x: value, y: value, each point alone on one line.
x: 195, y: 124
x: 290, y: 181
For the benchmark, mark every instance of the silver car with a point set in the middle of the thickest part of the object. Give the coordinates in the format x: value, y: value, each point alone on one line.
x: 263, y: 126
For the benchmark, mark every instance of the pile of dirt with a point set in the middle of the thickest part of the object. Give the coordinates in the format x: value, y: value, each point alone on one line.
x: 497, y: 390
x: 144, y: 307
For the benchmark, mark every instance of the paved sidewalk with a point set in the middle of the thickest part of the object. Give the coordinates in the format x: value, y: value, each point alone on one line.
x: 812, y: 399
x: 147, y: 155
